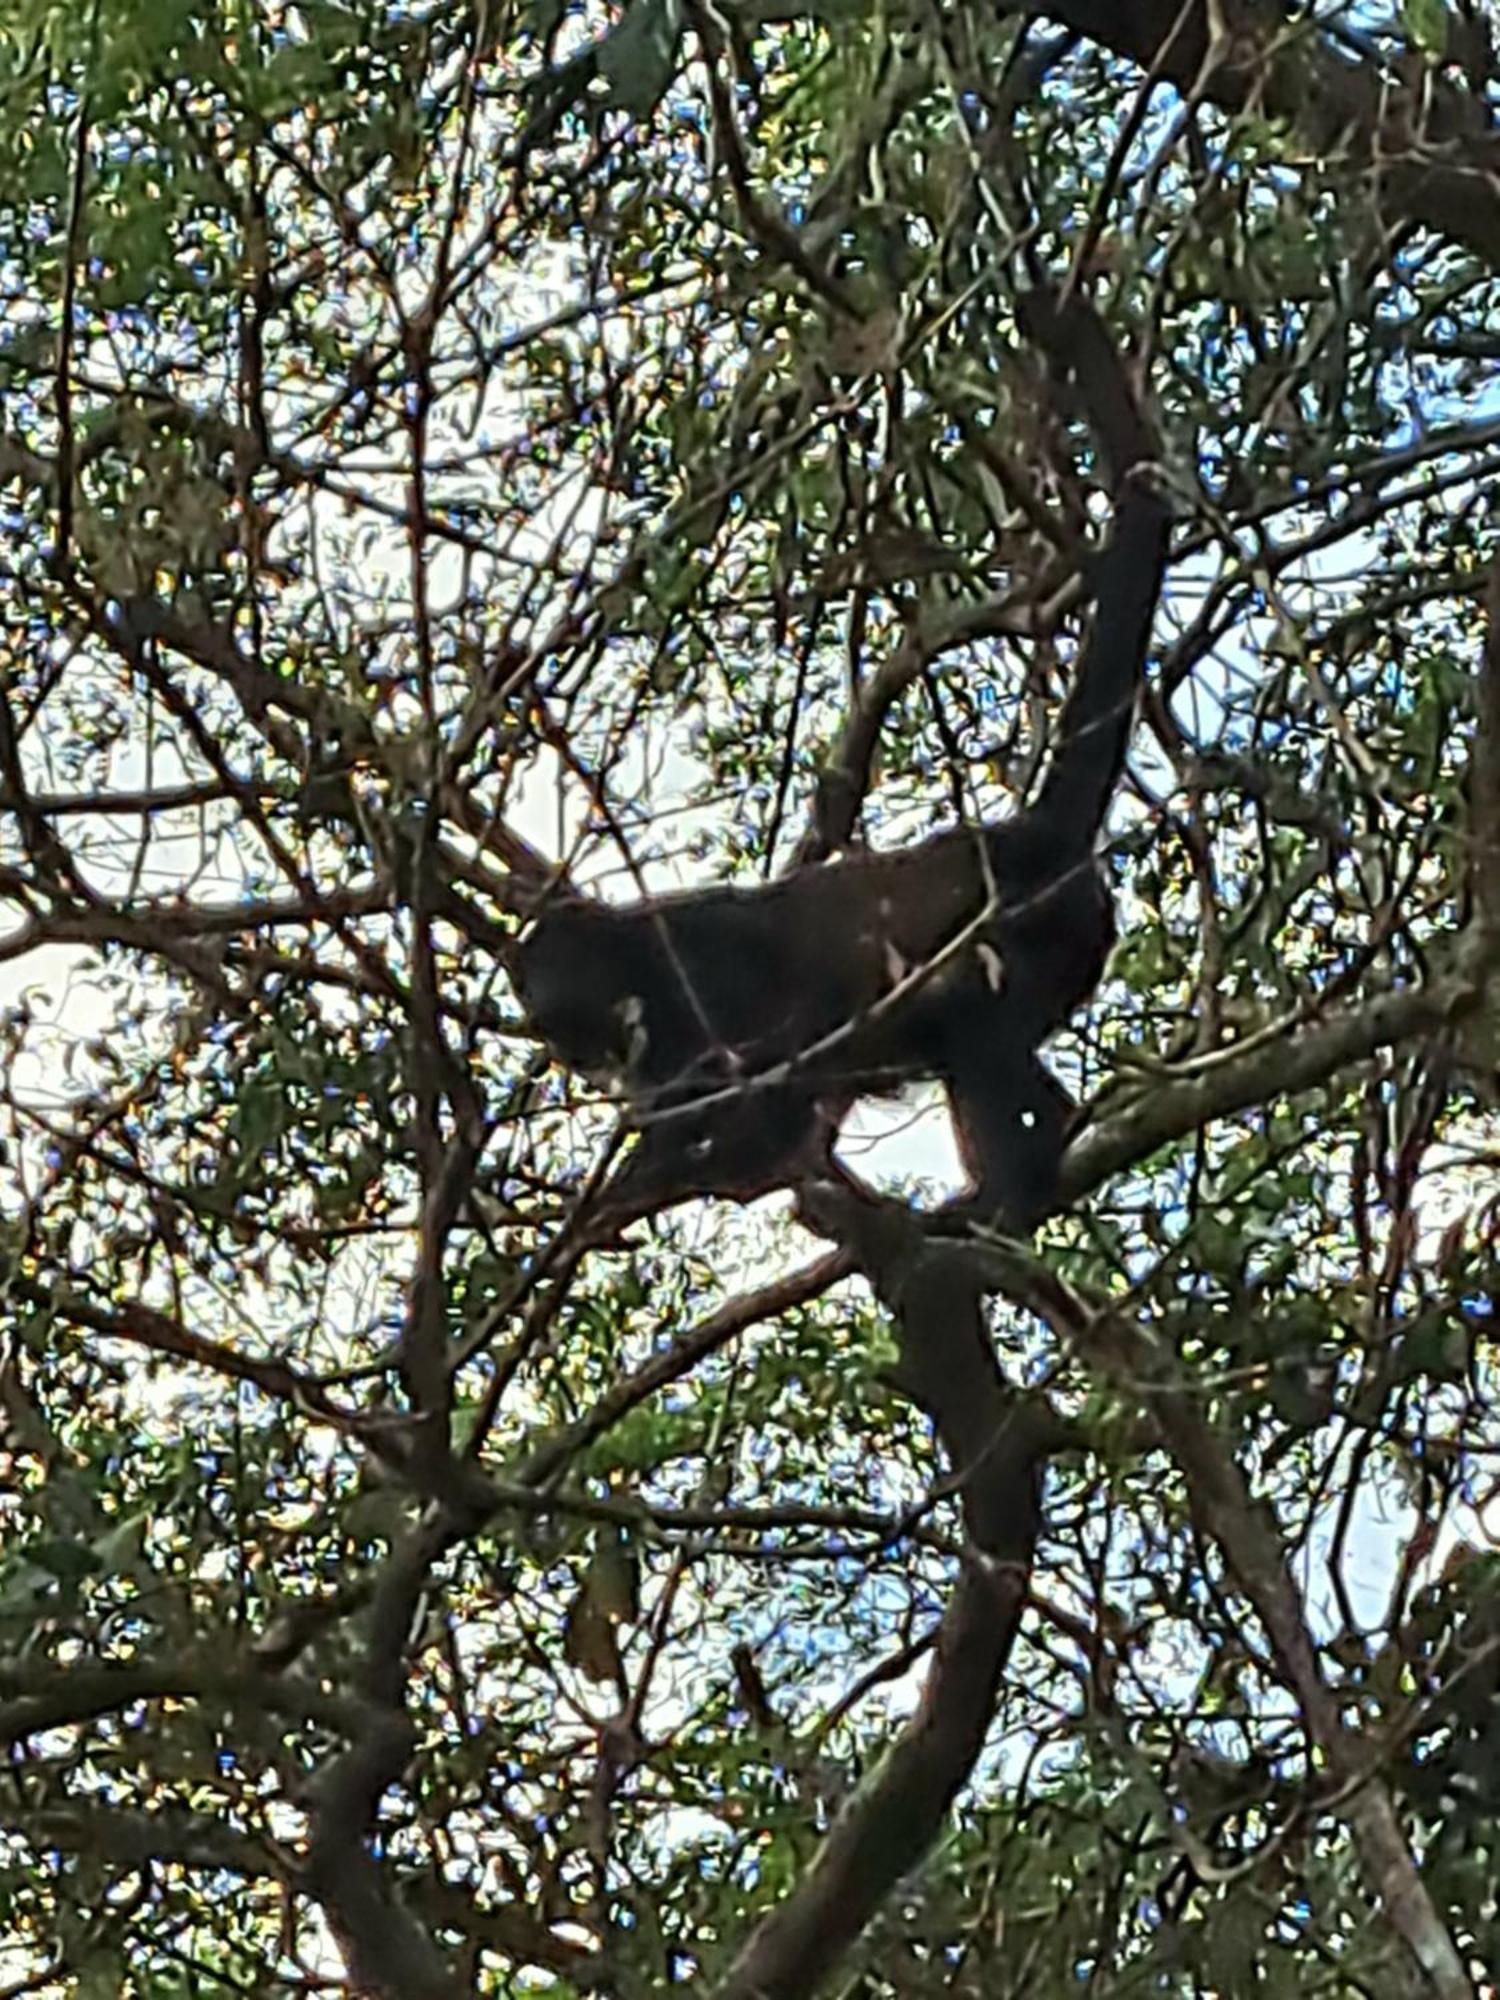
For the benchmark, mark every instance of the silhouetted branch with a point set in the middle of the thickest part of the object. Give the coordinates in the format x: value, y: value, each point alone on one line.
x: 996, y: 1444
x: 1222, y: 1502
x: 1287, y: 1060
x: 1484, y: 786
x: 1430, y: 147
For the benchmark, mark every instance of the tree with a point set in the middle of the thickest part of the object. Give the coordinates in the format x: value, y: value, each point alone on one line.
x: 444, y: 447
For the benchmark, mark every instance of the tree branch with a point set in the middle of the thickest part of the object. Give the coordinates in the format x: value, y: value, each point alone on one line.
x: 1484, y: 782
x: 1429, y: 146
x: 1246, y: 1532
x: 1294, y: 1058
x: 996, y: 1445
x: 389, y: 1954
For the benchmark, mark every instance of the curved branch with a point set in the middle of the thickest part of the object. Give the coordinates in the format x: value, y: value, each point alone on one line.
x: 1303, y: 1054
x: 546, y: 1460
x: 1143, y: 1368
x: 1430, y: 146
x: 36, y: 1696
x: 1079, y: 348
x: 996, y: 1445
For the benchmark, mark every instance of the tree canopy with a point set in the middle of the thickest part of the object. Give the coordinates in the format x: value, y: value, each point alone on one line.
x: 453, y: 451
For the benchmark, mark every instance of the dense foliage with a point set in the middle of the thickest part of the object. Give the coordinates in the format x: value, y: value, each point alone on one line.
x: 445, y: 443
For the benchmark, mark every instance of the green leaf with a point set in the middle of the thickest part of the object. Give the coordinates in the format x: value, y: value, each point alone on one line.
x: 1426, y: 25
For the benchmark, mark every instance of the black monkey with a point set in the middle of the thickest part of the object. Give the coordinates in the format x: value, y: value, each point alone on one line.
x: 732, y: 1014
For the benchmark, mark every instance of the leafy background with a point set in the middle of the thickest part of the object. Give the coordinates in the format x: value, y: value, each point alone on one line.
x: 437, y: 438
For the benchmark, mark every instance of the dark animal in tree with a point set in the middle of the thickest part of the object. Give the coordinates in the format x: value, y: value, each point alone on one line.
x: 733, y: 1015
